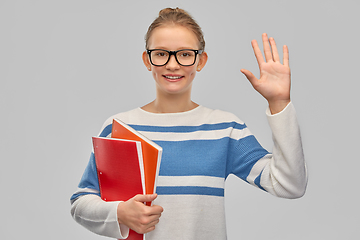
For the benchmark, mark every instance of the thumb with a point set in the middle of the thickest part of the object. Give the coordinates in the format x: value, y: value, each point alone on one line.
x: 145, y: 198
x: 249, y: 75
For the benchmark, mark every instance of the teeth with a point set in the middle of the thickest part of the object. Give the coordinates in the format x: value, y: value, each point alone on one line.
x: 173, y: 77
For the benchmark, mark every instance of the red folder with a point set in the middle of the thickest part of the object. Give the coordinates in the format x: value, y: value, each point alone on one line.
x: 151, y: 152
x: 120, y: 171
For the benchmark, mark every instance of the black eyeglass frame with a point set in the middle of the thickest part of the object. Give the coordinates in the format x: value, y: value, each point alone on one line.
x: 173, y: 53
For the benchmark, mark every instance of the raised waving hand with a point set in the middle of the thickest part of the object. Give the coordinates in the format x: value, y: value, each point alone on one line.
x: 275, y: 78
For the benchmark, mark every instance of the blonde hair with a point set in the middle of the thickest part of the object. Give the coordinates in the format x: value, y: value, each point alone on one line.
x: 176, y: 16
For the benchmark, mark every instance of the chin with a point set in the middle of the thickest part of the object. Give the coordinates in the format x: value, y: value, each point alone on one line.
x: 175, y: 90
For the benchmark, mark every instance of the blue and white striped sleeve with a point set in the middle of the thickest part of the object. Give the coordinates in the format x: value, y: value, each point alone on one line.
x: 281, y: 173
x: 89, y: 183
x: 87, y: 207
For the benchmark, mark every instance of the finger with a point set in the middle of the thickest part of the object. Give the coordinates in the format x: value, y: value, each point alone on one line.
x: 154, y: 219
x: 267, y: 48
x: 152, y: 212
x: 275, y: 53
x: 151, y: 228
x: 156, y: 209
x: 249, y: 75
x: 286, y: 55
x: 145, y: 198
x: 145, y: 228
x: 257, y: 52
x: 149, y: 223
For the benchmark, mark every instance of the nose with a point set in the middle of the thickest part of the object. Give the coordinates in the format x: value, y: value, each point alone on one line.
x: 172, y: 64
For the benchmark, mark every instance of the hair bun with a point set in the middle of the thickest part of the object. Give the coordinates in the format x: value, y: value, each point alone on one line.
x: 167, y: 11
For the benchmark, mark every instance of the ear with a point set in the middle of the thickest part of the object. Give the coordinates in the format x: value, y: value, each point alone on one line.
x: 146, y: 60
x: 203, y: 57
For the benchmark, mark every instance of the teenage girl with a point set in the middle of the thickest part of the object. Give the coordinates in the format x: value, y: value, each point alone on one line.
x: 201, y: 146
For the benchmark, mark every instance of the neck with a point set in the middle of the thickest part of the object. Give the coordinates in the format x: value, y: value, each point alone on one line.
x: 170, y: 104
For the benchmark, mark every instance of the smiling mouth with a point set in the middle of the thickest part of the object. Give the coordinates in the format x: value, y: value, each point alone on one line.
x: 173, y: 77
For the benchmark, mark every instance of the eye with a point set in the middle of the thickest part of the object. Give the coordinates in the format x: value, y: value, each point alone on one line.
x: 186, y: 54
x: 160, y: 54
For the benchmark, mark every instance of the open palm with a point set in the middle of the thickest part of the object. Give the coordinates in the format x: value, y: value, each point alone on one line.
x: 274, y: 82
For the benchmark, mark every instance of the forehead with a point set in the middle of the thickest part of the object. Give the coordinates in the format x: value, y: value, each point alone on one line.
x: 173, y: 38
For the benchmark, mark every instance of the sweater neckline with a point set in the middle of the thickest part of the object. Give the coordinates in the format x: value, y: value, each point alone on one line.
x: 192, y: 111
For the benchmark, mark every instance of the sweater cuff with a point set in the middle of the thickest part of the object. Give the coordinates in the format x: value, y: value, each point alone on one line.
x: 99, y: 216
x: 268, y: 112
x: 284, y: 122
x: 123, y: 229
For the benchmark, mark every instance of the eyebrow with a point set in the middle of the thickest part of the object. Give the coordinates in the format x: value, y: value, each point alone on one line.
x: 182, y: 48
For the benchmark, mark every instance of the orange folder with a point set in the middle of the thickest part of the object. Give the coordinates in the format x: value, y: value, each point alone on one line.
x: 151, y: 152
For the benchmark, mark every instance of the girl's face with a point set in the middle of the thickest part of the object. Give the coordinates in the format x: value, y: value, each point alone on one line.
x: 174, y: 78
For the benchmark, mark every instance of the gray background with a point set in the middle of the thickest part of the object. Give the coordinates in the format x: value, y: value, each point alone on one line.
x: 65, y: 66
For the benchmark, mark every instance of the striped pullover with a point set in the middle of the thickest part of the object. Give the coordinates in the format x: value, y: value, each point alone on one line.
x: 201, y: 148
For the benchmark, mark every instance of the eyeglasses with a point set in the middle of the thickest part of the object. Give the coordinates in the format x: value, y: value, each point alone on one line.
x: 184, y: 57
